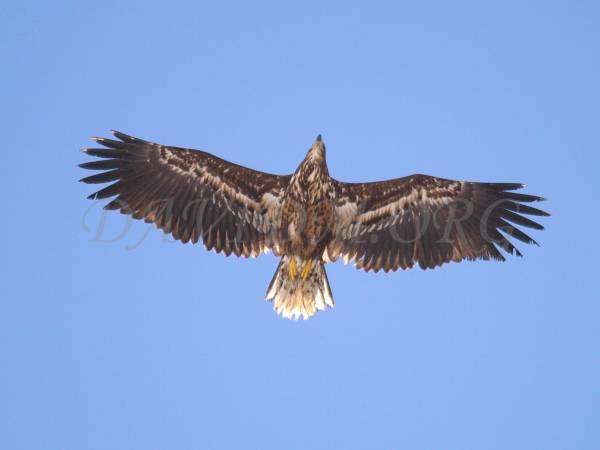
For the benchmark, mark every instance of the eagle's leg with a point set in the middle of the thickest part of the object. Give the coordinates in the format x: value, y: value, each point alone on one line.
x: 306, y: 268
x: 293, y: 268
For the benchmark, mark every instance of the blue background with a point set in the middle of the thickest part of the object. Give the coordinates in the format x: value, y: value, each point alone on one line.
x: 115, y: 338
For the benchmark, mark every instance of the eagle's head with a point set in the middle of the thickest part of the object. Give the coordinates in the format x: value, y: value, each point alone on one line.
x: 316, y: 153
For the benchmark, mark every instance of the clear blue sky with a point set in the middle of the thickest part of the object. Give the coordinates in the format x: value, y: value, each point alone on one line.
x: 115, y: 345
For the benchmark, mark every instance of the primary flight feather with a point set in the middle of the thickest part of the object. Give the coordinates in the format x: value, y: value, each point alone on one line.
x: 308, y: 218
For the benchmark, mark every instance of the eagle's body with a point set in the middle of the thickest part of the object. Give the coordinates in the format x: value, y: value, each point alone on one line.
x: 309, y: 218
x: 300, y: 285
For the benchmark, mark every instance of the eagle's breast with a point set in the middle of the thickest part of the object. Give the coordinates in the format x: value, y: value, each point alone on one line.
x: 308, y: 210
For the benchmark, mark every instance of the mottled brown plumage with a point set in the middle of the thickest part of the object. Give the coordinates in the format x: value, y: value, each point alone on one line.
x: 309, y: 218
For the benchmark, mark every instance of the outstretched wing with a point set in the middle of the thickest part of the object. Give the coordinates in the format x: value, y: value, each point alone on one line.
x: 189, y: 193
x: 427, y: 220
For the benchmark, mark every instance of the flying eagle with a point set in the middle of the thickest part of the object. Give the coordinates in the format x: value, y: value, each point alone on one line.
x: 308, y: 218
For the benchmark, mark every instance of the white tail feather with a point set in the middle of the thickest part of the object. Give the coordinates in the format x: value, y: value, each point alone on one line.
x: 293, y: 297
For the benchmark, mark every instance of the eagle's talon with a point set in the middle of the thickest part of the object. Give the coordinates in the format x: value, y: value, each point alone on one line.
x: 293, y: 268
x: 306, y: 269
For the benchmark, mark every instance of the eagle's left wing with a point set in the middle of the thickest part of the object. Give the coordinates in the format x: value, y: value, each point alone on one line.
x: 190, y: 193
x: 427, y: 221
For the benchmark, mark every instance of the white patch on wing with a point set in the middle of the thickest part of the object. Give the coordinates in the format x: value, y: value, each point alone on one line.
x: 345, y: 214
x: 273, y: 205
x: 350, y: 223
x: 225, y: 193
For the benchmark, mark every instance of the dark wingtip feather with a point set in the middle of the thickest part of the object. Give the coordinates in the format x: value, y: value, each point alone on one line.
x: 525, y: 209
x: 504, y: 186
x: 111, y: 143
x: 521, y: 220
x: 98, y: 139
x: 522, y: 197
x: 102, y: 177
x: 117, y: 204
x: 516, y: 233
x: 102, y: 164
x: 104, y: 152
x: 122, y: 136
x: 109, y: 191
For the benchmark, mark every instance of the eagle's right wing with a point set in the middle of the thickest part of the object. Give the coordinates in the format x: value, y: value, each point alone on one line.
x: 190, y: 193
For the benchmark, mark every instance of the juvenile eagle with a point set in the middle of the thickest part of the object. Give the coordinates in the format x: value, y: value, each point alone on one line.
x: 308, y: 218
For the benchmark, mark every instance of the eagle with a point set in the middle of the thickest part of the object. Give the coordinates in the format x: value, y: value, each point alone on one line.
x: 308, y: 218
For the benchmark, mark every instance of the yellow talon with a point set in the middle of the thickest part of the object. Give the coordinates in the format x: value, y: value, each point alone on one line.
x: 306, y: 269
x: 293, y: 268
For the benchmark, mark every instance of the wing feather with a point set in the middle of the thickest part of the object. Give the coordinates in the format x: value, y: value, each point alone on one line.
x: 428, y: 221
x: 189, y: 193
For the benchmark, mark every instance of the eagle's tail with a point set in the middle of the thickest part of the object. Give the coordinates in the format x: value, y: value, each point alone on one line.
x: 299, y: 288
